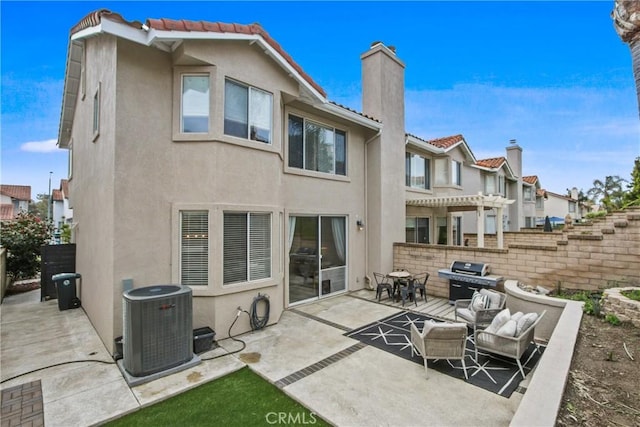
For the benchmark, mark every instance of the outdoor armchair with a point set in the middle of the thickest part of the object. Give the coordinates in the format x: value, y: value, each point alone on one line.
x: 494, y: 341
x: 480, y: 317
x: 440, y: 340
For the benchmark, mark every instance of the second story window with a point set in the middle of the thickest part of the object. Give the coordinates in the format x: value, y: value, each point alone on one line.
x: 316, y: 147
x: 456, y: 173
x: 247, y: 112
x: 194, y: 107
x: 527, y: 194
x: 489, y: 184
x: 502, y: 188
x: 572, y: 207
x: 418, y: 171
x: 442, y: 171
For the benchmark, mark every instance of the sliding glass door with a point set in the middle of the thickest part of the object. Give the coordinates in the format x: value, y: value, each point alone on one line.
x: 317, y: 256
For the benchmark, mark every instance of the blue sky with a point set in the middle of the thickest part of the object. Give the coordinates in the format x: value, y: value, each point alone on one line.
x: 553, y: 75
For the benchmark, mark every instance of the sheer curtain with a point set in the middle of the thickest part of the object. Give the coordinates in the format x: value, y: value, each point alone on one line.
x: 338, y: 228
x: 292, y: 229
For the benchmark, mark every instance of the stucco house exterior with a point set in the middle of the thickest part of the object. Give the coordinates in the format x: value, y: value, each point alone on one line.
x: 201, y: 153
x: 13, y: 200
x: 558, y: 205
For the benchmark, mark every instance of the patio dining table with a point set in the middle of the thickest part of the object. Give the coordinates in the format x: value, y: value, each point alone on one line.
x: 400, y: 278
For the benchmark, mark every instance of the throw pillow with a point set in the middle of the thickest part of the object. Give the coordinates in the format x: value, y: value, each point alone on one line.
x: 428, y: 325
x: 524, y: 322
x: 493, y: 298
x: 500, y: 319
x: 517, y: 316
x: 478, y: 302
x: 508, y: 329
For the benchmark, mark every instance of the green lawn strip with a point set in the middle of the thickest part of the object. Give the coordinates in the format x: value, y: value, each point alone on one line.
x: 241, y: 398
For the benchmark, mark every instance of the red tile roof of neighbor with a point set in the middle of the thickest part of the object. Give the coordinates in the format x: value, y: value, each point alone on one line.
x: 446, y: 142
x: 531, y: 179
x: 162, y: 24
x: 6, y: 212
x: 493, y: 163
x: 57, y: 195
x: 20, y: 192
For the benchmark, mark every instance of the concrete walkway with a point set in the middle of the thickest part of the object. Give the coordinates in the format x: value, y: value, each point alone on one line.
x: 305, y: 354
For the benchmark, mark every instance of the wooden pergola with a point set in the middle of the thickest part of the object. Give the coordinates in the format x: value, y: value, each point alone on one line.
x: 477, y: 202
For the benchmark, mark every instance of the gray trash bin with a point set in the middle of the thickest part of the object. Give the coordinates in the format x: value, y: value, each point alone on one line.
x: 65, y: 284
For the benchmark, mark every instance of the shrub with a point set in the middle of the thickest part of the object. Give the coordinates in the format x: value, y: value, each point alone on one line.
x: 22, y: 238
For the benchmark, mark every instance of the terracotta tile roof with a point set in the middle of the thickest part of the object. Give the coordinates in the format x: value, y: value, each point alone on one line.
x: 164, y: 24
x: 20, y: 192
x: 531, y: 179
x: 492, y: 163
x: 355, y: 111
x: 541, y: 193
x: 445, y: 142
x: 6, y: 212
x: 57, y: 195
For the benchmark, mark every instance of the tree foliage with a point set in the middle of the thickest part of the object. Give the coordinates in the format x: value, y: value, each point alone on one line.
x: 40, y: 207
x: 22, y: 238
x: 608, y: 192
x: 632, y: 196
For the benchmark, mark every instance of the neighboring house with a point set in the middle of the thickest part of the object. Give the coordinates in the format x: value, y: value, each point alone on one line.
x: 13, y: 200
x: 535, y: 198
x: 559, y: 206
x: 202, y: 154
x: 61, y: 212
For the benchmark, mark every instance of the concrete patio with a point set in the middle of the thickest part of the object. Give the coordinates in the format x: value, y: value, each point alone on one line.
x: 306, y: 354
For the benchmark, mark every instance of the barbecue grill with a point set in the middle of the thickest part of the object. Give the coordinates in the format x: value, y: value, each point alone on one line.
x: 467, y: 277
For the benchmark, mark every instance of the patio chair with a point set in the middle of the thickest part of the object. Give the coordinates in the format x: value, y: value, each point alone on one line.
x: 420, y: 282
x: 480, y: 317
x: 509, y: 346
x: 408, y: 291
x: 382, y: 282
x: 440, y: 340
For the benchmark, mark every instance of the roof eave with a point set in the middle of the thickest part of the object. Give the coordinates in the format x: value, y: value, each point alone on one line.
x: 423, y: 145
x: 350, y: 115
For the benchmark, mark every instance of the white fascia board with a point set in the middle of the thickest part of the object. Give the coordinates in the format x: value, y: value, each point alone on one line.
x: 349, y: 115
x: 484, y: 168
x: 414, y: 142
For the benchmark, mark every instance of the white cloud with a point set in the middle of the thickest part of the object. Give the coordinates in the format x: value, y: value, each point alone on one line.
x: 47, y: 146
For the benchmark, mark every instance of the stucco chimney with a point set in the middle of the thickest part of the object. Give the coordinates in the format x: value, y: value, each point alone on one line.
x: 574, y: 193
x: 383, y: 99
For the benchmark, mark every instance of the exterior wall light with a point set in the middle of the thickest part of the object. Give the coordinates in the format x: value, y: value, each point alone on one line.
x: 360, y: 224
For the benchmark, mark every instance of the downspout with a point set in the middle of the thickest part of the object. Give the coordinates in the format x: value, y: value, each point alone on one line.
x: 366, y: 206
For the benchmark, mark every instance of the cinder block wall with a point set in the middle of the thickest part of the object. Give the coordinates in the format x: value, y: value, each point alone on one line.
x: 602, y: 254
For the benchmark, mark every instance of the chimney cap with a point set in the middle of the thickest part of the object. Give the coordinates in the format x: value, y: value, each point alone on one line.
x: 512, y: 141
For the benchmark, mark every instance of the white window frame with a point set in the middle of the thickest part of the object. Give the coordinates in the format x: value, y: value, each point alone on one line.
x: 441, y: 171
x: 456, y: 173
x: 178, y: 73
x: 183, y: 76
x: 490, y: 184
x: 184, y: 248
x: 251, y: 94
x: 410, y: 178
x: 248, y: 249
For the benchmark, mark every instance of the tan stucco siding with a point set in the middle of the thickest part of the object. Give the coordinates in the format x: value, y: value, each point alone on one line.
x: 156, y: 176
x: 92, y: 186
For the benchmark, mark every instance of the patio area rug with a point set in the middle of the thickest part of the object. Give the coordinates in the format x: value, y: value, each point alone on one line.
x: 495, y: 373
